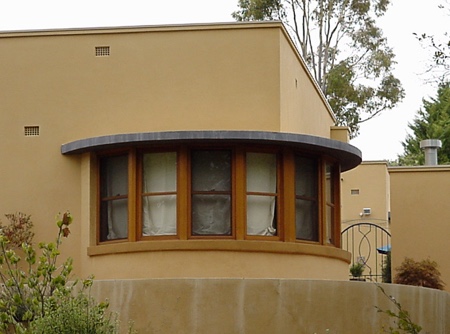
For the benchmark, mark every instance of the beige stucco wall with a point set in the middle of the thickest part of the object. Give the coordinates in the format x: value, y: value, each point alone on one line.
x: 420, y: 215
x: 198, y: 77
x: 268, y: 305
x: 371, y: 178
x: 300, y: 95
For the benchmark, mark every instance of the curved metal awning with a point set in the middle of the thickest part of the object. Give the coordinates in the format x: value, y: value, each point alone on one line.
x: 349, y: 156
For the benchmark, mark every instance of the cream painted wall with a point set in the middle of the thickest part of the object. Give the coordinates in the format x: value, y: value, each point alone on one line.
x: 269, y: 306
x: 371, y: 179
x: 420, y: 215
x: 302, y: 105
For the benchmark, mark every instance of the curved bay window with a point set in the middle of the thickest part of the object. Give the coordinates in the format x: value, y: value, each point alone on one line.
x: 230, y: 192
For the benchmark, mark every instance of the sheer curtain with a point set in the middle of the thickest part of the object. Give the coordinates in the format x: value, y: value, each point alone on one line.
x: 159, y: 202
x: 115, y: 184
x: 211, y: 192
x: 261, y: 190
x: 306, y: 192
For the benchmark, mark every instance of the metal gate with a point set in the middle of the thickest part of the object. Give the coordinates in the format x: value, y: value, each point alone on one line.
x: 368, y: 243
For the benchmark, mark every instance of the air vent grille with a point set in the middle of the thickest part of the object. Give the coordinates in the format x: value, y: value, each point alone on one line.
x: 30, y: 131
x: 102, y: 51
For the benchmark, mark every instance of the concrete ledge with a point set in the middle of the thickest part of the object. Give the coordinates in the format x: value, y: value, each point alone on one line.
x: 276, y: 247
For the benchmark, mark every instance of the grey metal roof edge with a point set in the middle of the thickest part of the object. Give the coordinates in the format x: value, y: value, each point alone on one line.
x: 347, y: 154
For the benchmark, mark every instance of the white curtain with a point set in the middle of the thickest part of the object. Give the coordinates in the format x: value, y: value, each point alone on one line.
x: 117, y: 184
x: 261, y: 178
x: 159, y: 211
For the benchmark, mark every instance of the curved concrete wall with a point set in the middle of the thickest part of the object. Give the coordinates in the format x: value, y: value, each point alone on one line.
x: 268, y: 305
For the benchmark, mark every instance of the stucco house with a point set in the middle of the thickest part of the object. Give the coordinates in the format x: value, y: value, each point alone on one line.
x: 202, y: 166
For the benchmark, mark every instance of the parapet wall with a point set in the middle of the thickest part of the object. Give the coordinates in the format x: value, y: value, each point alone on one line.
x: 268, y: 305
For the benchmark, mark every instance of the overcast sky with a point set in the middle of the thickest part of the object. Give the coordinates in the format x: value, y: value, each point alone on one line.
x: 380, y: 138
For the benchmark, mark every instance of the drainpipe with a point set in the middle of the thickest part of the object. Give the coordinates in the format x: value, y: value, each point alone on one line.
x: 430, y: 148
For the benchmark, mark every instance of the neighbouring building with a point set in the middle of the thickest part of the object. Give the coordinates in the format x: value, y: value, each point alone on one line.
x: 403, y: 207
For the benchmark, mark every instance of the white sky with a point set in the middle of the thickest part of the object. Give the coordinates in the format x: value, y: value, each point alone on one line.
x: 380, y: 138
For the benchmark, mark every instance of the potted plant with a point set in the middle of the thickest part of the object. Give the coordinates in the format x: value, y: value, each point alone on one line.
x: 357, y: 270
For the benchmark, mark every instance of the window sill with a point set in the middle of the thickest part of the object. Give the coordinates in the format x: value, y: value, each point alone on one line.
x: 275, y: 247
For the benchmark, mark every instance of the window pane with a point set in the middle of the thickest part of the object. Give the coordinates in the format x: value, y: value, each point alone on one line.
x: 306, y: 203
x: 114, y: 176
x: 160, y: 172
x: 211, y: 215
x: 305, y: 177
x: 261, y: 172
x: 211, y: 171
x: 329, y: 224
x: 114, y: 219
x: 159, y: 205
x: 329, y: 186
x: 114, y: 201
x: 159, y: 215
x: 306, y: 226
x: 261, y: 218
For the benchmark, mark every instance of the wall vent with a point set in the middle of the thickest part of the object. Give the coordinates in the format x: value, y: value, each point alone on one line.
x: 354, y: 191
x: 102, y: 51
x: 31, y: 131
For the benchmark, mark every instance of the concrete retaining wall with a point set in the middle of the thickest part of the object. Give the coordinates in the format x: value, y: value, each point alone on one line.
x: 268, y: 305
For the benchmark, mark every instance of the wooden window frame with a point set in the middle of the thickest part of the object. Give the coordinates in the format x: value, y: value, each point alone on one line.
x: 285, y: 193
x: 335, y: 222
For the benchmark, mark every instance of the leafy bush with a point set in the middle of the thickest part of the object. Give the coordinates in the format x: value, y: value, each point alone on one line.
x: 38, y: 297
x: 424, y: 273
x: 68, y: 314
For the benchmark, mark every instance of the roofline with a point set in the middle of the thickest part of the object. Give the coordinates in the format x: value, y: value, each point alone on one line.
x: 349, y: 156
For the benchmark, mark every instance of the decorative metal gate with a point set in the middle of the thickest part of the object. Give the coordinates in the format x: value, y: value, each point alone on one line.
x: 368, y: 243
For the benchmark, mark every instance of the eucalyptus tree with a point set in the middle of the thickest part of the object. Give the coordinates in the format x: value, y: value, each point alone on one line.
x: 344, y: 49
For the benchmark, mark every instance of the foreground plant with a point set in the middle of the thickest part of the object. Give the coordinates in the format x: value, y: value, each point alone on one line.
x: 401, y: 317
x: 38, y: 296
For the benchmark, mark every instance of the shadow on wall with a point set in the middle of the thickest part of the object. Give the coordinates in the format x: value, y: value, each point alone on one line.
x: 269, y: 305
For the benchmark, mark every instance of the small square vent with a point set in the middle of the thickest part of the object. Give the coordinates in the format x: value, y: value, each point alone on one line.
x: 31, y: 131
x: 102, y: 51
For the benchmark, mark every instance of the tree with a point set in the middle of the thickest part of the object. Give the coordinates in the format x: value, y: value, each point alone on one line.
x: 440, y: 46
x: 343, y: 48
x: 431, y: 122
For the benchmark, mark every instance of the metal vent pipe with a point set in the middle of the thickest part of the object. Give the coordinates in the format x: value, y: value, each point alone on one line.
x: 430, y: 148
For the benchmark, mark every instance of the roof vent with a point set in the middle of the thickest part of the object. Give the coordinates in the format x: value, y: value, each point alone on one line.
x: 102, y: 51
x: 31, y: 131
x: 430, y: 148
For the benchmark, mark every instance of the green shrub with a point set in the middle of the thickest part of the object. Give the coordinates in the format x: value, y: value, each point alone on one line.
x: 386, y: 272
x: 78, y: 313
x: 39, y: 296
x: 357, y: 269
